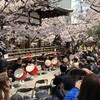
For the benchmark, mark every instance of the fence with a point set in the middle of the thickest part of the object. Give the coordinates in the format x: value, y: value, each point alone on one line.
x: 14, y: 54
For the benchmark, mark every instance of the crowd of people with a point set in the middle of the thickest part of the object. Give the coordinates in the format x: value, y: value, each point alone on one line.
x: 79, y: 77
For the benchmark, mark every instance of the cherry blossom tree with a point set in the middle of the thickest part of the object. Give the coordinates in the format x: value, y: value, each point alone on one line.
x: 94, y: 4
x: 11, y: 11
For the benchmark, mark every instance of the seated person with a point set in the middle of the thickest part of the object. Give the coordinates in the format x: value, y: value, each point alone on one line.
x: 71, y: 77
x: 42, y: 59
x: 28, y: 60
x: 58, y: 79
x: 58, y: 90
x: 74, y: 92
x: 16, y: 65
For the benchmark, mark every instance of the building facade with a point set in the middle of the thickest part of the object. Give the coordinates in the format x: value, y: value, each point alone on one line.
x: 79, y: 10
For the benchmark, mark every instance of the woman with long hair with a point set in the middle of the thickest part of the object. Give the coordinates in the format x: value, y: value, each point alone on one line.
x: 90, y: 88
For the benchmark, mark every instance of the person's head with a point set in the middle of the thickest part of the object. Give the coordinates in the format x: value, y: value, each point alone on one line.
x: 67, y: 82
x: 77, y: 74
x: 75, y: 59
x: 16, y: 97
x: 63, y: 68
x: 43, y: 54
x: 90, y: 88
x: 29, y: 58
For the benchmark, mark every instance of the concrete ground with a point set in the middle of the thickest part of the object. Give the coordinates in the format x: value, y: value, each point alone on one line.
x: 31, y: 83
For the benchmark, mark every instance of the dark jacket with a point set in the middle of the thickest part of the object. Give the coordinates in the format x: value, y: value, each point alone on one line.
x: 60, y: 93
x: 58, y: 79
x: 16, y: 66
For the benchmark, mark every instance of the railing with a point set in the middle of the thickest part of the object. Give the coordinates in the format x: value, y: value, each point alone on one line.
x: 14, y: 54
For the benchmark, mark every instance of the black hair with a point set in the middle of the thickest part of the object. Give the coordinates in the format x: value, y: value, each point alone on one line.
x: 16, y: 97
x: 76, y: 74
x: 63, y: 68
x: 75, y: 59
x: 68, y: 82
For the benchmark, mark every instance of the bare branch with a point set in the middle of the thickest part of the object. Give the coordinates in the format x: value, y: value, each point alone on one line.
x: 5, y: 6
x: 94, y: 9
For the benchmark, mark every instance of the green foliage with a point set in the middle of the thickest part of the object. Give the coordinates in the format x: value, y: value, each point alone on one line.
x: 94, y: 32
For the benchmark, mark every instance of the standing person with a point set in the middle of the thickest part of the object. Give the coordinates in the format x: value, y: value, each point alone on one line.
x: 58, y: 79
x: 17, y: 64
x: 42, y: 60
x: 28, y: 60
x: 4, y: 80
